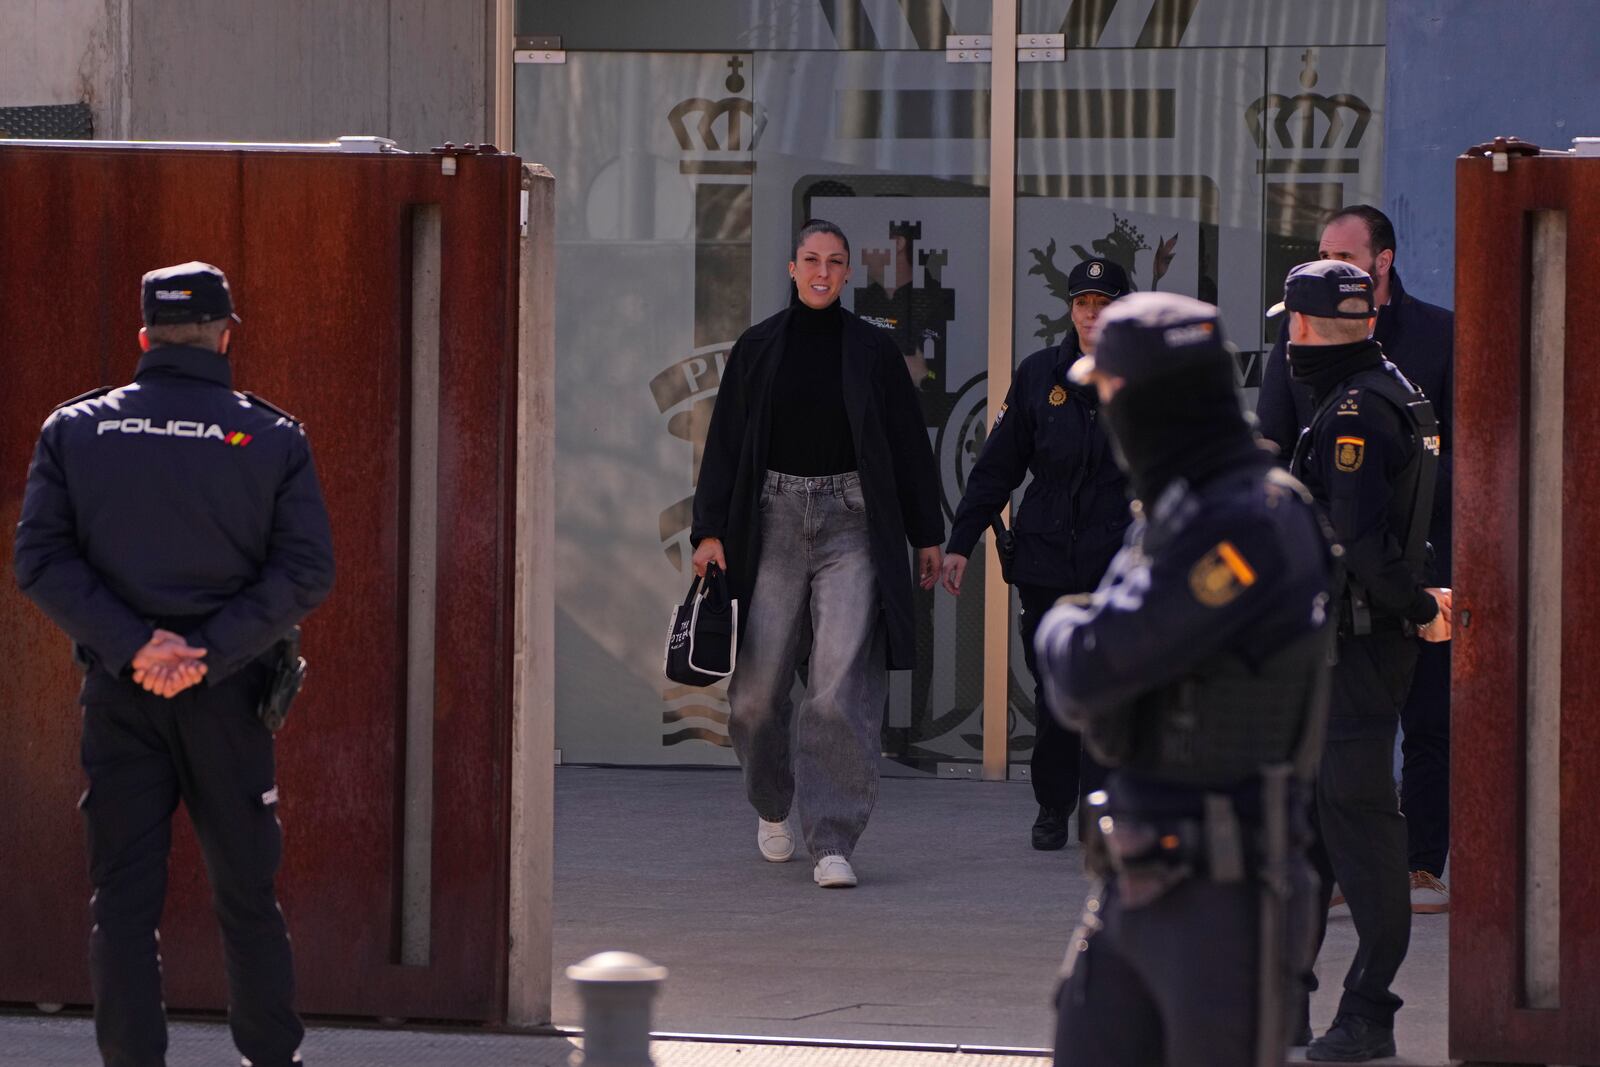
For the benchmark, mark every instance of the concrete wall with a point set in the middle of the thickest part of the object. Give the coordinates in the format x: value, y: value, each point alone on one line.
x: 1461, y: 73
x: 416, y: 71
x: 412, y: 70
x: 65, y: 52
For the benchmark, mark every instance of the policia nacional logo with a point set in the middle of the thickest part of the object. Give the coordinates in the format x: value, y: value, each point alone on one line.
x: 1348, y: 452
x: 1220, y: 576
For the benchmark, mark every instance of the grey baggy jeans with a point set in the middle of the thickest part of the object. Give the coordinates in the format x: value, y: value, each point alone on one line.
x: 816, y: 567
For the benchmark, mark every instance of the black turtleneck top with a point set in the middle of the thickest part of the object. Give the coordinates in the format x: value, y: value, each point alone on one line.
x: 810, y: 429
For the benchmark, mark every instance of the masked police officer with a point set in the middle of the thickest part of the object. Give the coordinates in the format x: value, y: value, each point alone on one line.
x: 1198, y: 672
x: 175, y: 530
x: 1068, y: 527
x: 1369, y: 456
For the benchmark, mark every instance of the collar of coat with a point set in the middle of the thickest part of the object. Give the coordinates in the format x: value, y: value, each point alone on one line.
x: 1067, y: 353
x: 855, y: 327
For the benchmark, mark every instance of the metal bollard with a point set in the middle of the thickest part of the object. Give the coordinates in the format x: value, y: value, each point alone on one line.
x: 617, y: 989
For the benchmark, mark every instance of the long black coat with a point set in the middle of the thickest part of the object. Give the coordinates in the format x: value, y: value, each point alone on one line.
x: 899, y: 479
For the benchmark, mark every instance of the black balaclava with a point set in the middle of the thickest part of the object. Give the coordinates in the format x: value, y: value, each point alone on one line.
x: 1187, y: 423
x: 1323, y: 367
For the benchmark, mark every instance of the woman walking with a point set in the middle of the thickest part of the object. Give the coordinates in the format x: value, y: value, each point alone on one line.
x: 816, y: 473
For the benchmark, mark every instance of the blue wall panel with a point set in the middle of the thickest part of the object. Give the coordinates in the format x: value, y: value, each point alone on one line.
x: 1460, y: 73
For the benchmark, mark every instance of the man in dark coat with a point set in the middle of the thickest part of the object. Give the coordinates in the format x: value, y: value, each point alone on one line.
x: 1419, y: 338
x: 1068, y: 527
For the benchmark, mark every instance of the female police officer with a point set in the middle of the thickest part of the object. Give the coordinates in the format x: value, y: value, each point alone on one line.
x: 1069, y: 525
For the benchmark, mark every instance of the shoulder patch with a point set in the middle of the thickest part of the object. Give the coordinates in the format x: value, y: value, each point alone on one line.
x: 1348, y: 452
x: 275, y: 409
x: 1350, y: 405
x: 1220, y: 576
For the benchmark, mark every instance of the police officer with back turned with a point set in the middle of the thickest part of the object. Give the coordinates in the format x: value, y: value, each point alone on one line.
x: 1369, y: 455
x: 175, y: 530
x: 1198, y: 672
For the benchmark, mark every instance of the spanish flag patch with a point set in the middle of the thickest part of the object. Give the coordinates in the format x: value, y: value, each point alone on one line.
x: 1220, y: 576
x: 1348, y: 452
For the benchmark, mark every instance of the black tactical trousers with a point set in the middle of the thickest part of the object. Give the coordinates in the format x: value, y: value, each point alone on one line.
x: 1177, y: 982
x: 143, y: 754
x: 1060, y: 769
x: 1361, y: 835
x: 1425, y: 773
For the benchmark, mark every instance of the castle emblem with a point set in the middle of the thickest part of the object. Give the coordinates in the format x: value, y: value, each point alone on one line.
x: 1121, y: 246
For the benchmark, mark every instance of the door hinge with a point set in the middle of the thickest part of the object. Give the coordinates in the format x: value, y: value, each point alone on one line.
x: 539, y: 48
x: 1031, y: 48
x: 968, y: 48
x: 1041, y: 48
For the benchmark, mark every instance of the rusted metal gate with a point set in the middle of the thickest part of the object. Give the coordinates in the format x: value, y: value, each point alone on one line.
x: 331, y: 253
x: 1525, y: 773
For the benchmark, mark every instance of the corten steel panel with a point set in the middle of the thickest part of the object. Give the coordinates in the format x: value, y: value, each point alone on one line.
x: 317, y: 247
x: 1488, y: 1019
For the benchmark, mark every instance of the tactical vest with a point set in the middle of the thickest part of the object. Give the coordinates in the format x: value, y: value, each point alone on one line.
x: 1412, y: 511
x: 1224, y: 722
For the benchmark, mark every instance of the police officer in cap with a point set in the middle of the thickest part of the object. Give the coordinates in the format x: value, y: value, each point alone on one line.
x: 1068, y: 527
x: 1198, y: 672
x: 175, y: 530
x: 1369, y: 456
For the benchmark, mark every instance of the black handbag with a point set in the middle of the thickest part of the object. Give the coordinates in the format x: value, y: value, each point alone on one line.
x: 703, y: 640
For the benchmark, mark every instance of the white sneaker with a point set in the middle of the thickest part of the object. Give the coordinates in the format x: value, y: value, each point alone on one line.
x: 1428, y: 895
x: 775, y: 840
x: 834, y: 872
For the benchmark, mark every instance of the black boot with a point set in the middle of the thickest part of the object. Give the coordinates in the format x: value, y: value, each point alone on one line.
x: 1300, y: 1032
x: 1352, y: 1039
x: 1050, y: 829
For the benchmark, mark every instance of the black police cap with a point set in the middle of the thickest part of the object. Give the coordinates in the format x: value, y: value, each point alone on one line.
x: 1097, y: 276
x: 1146, y: 335
x: 1319, y: 287
x: 188, y: 292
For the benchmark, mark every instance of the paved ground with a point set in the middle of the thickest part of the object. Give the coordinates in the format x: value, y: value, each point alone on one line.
x: 954, y: 935
x: 952, y: 939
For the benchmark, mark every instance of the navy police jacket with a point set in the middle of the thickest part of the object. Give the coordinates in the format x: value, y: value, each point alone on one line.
x: 173, y: 501
x: 1420, y: 338
x: 1234, y: 565
x: 1075, y: 510
x: 1352, y: 458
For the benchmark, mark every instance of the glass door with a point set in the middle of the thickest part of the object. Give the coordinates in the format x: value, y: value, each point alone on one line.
x: 1196, y: 142
x: 681, y: 177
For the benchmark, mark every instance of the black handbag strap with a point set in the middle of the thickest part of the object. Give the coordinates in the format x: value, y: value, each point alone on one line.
x: 714, y: 588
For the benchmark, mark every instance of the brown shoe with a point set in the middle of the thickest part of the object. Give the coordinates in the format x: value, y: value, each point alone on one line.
x: 1429, y: 896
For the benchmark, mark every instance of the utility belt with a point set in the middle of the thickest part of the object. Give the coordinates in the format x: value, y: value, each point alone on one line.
x: 1150, y: 854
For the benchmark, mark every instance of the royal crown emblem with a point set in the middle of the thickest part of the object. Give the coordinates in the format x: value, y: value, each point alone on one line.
x: 719, y: 129
x: 1308, y: 120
